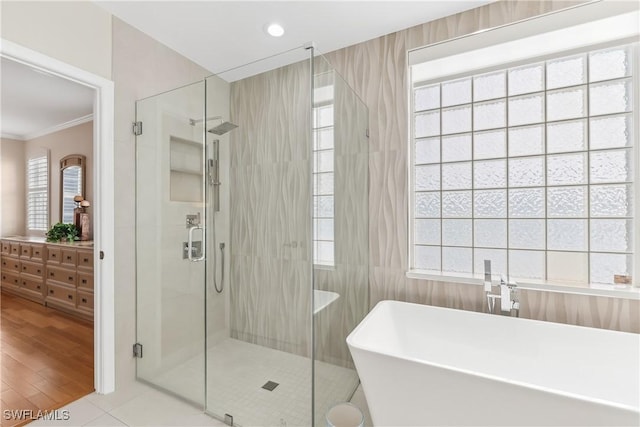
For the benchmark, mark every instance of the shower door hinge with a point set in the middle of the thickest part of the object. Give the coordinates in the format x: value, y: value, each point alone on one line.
x: 366, y: 132
x: 137, y: 128
x: 137, y: 350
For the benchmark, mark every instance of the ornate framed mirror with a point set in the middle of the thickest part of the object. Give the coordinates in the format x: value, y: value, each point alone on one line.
x: 72, y: 182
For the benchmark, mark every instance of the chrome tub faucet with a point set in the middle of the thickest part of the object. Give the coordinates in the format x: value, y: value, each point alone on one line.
x: 508, y: 296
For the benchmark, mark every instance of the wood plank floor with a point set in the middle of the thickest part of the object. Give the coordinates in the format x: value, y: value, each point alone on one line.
x: 46, y: 357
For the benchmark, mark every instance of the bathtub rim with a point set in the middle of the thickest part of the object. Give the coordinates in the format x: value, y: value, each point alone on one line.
x: 352, y: 343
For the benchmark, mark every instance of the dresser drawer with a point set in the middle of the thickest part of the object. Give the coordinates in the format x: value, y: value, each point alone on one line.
x: 32, y: 268
x: 85, y: 280
x: 69, y: 258
x: 37, y: 252
x: 33, y: 285
x: 10, y: 264
x: 15, y: 249
x: 61, y: 294
x: 6, y: 248
x: 25, y: 251
x: 10, y: 278
x: 54, y: 255
x: 85, y: 300
x: 85, y: 259
x: 68, y: 277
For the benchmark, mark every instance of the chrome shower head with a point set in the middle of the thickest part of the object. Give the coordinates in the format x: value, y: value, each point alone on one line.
x: 223, y: 128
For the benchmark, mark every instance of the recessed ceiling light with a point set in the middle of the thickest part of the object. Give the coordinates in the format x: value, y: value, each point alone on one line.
x: 275, y: 30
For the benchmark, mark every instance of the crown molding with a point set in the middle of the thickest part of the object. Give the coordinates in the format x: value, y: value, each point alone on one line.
x: 58, y: 127
x: 12, y: 136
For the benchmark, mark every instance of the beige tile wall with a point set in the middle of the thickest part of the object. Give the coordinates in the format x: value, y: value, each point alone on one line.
x: 349, y: 277
x: 377, y: 70
x: 270, y: 175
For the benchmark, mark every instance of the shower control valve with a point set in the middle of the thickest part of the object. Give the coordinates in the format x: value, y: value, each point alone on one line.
x: 193, y: 220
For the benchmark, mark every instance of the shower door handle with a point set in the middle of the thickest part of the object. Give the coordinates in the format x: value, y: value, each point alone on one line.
x: 190, y: 245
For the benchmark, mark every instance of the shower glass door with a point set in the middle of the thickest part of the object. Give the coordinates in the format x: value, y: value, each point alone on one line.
x: 259, y: 316
x: 170, y: 219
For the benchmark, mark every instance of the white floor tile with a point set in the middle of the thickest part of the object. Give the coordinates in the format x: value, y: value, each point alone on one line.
x: 105, y: 420
x: 155, y: 408
x: 123, y: 394
x: 79, y: 412
x: 237, y: 370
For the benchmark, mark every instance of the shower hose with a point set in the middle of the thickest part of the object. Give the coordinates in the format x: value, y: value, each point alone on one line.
x: 215, y: 262
x: 215, y: 281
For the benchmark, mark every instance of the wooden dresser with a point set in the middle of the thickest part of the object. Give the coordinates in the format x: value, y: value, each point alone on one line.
x: 58, y: 275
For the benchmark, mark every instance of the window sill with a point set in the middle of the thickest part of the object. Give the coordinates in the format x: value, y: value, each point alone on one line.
x: 612, y: 291
x: 328, y: 267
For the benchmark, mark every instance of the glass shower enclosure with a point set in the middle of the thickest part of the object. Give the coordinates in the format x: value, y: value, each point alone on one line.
x: 252, y: 240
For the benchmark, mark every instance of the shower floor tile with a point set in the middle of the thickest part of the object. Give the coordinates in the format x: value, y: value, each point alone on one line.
x: 237, y: 370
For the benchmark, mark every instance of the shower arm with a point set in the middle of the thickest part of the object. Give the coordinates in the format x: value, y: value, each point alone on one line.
x: 194, y: 122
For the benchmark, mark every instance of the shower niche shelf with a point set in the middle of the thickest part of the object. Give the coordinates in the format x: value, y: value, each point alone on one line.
x: 185, y: 170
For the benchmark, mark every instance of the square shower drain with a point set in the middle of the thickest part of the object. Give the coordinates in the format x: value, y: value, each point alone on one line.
x: 270, y: 385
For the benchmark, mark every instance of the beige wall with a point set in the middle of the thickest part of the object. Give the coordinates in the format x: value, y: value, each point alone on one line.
x: 73, y: 140
x: 12, y: 191
x: 76, y: 32
x: 142, y: 67
x: 377, y: 70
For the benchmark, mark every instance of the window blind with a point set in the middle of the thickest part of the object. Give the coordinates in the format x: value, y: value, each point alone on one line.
x: 38, y: 193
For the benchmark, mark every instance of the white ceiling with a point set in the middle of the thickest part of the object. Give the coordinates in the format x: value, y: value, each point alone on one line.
x: 34, y: 103
x: 218, y: 35
x: 221, y: 35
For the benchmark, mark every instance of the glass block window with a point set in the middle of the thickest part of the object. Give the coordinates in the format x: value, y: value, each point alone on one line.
x: 323, y: 176
x: 529, y: 166
x: 38, y: 193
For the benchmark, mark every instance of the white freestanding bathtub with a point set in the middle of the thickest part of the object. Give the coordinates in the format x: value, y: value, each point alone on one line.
x: 422, y: 365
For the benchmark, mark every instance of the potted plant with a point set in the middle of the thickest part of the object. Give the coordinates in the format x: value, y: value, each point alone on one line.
x: 62, y: 232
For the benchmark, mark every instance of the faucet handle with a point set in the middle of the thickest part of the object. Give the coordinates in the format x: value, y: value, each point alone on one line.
x: 504, y: 281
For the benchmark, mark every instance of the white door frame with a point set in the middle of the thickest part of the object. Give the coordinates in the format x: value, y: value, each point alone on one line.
x: 103, y: 203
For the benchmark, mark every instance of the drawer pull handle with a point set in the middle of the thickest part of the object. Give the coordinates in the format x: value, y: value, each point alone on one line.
x: 53, y: 255
x: 84, y: 300
x: 51, y: 291
x: 68, y: 258
x: 39, y: 271
x: 51, y: 274
x: 86, y: 260
x: 38, y: 286
x: 84, y: 281
x: 70, y: 296
x: 70, y: 278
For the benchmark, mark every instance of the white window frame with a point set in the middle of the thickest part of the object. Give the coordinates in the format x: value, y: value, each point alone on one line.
x: 44, y: 189
x: 595, y: 24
